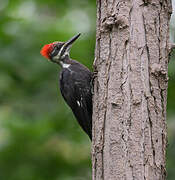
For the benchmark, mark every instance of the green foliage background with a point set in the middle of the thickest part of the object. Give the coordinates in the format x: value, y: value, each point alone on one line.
x: 39, y: 137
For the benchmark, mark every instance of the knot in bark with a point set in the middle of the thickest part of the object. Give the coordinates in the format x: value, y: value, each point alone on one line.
x: 108, y: 23
x: 157, y: 70
x: 122, y: 21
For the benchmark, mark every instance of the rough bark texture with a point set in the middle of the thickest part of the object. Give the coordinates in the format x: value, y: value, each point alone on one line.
x: 130, y: 89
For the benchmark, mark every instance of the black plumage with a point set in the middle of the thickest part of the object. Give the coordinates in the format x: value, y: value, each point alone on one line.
x: 75, y: 86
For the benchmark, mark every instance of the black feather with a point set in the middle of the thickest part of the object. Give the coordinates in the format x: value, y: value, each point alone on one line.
x: 75, y: 86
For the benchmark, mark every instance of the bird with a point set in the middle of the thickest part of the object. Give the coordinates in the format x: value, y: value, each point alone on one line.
x: 75, y: 81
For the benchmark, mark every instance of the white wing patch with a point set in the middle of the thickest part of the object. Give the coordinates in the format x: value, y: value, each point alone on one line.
x: 78, y: 102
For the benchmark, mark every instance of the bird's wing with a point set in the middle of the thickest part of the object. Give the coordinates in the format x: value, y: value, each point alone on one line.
x: 83, y: 110
x: 80, y: 101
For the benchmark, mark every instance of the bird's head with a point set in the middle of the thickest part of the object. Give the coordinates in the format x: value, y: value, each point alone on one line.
x: 57, y: 51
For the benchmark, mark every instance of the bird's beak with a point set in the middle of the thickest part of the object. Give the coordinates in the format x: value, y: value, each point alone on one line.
x: 68, y: 44
x: 73, y: 39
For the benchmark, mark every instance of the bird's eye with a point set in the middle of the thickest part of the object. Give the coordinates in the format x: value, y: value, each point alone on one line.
x: 57, y: 48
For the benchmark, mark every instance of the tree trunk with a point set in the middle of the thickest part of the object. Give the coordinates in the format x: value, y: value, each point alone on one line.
x: 130, y: 89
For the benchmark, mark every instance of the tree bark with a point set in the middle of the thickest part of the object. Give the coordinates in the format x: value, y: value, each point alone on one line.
x: 130, y: 89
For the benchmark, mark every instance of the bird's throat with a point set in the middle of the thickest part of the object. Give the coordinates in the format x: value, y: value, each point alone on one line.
x: 64, y: 64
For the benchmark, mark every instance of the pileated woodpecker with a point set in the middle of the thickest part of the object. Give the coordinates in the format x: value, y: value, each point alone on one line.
x: 75, y: 82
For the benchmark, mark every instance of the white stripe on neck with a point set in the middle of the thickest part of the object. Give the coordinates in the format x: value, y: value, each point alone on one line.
x: 64, y: 65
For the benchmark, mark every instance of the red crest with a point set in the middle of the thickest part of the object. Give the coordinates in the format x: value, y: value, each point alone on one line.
x: 46, y: 50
